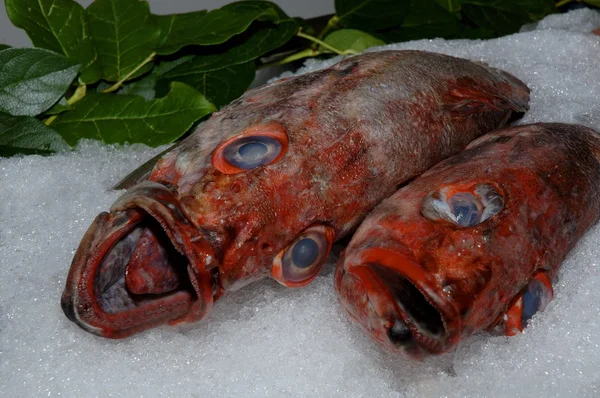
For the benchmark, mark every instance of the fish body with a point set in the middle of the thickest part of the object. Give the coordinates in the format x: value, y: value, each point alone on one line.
x: 266, y: 185
x: 475, y: 242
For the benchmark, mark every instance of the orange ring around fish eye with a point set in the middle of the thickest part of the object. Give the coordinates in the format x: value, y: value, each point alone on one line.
x: 267, y: 136
x: 319, y: 237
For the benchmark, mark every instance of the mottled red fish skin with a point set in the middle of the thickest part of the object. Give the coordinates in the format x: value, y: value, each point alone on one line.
x: 549, y: 177
x: 355, y: 132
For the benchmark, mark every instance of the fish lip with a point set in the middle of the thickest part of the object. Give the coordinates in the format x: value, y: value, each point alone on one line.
x: 81, y: 304
x: 367, y: 265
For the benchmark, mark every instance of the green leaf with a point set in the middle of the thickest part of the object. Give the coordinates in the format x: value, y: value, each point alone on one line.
x: 214, y: 27
x: 4, y: 46
x: 27, y: 135
x: 501, y: 21
x: 128, y: 118
x: 125, y: 34
x: 245, y: 47
x: 371, y: 14
x: 351, y: 39
x: 60, y: 26
x: 32, y: 80
x: 425, y: 20
x: 449, y: 5
x: 175, y: 30
x: 505, y: 16
x: 219, y: 85
x: 256, y: 41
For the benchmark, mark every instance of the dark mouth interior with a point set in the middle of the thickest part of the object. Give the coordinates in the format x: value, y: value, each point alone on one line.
x: 142, y: 267
x: 412, y: 302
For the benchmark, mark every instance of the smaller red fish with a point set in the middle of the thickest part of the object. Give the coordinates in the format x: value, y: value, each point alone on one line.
x: 475, y: 242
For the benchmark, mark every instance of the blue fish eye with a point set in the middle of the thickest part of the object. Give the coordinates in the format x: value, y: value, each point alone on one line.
x: 305, y: 252
x: 251, y: 152
x: 465, y: 209
x: 532, y: 299
x: 305, y: 256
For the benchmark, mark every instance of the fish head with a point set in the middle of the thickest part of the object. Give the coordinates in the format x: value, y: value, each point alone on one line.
x: 414, y: 269
x: 239, y: 200
x: 465, y: 247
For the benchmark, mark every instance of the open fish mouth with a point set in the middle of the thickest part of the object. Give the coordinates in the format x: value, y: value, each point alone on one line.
x: 397, y: 303
x: 139, y: 266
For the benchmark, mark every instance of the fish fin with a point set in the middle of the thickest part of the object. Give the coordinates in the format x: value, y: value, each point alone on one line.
x: 532, y: 299
x: 467, y: 95
x: 142, y: 173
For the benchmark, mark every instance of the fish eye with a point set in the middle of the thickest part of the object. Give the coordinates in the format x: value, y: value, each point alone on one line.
x: 257, y: 146
x: 299, y: 263
x: 465, y: 208
x: 250, y: 152
x: 536, y: 297
x: 532, y: 299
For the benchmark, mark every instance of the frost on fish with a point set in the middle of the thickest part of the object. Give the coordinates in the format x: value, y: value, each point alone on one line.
x: 473, y: 243
x: 266, y: 185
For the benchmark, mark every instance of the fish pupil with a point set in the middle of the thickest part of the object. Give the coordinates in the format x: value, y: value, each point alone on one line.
x: 466, y: 212
x: 305, y: 252
x: 253, y: 151
x: 531, y: 301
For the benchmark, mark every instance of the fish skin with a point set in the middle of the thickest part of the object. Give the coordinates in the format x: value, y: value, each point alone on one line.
x: 473, y: 277
x: 352, y: 133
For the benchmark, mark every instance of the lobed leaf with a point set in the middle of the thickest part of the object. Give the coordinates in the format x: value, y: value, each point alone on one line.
x: 219, y: 85
x: 352, y: 39
x: 371, y: 14
x: 60, y: 26
x: 214, y: 27
x: 27, y: 135
x: 32, y: 80
x: 125, y: 34
x: 128, y: 118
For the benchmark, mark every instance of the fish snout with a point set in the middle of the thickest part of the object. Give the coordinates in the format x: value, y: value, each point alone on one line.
x: 141, y: 265
x: 396, y: 301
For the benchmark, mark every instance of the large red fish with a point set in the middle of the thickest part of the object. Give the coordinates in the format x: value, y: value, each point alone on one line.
x: 266, y: 185
x: 474, y: 242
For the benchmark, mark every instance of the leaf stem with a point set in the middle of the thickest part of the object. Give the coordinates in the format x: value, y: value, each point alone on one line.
x: 118, y: 84
x: 562, y: 3
x: 309, y: 52
x: 325, y: 45
x: 331, y: 24
x: 79, y: 93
